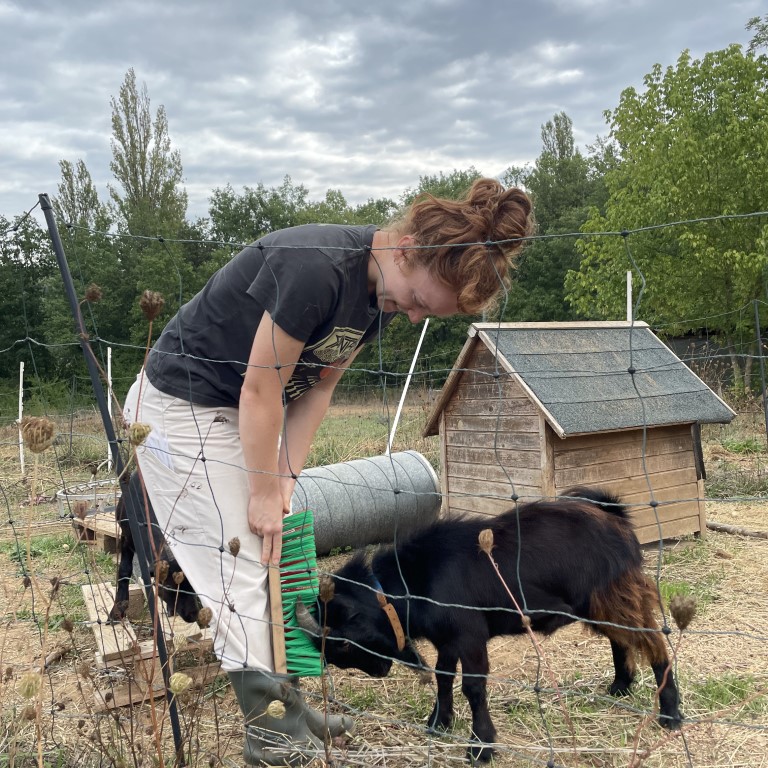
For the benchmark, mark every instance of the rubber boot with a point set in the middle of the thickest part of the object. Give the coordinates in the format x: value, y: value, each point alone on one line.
x: 323, y: 725
x: 277, y: 729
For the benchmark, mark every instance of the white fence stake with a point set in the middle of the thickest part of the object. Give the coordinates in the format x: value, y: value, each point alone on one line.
x: 405, y: 388
x: 109, y: 403
x: 629, y: 296
x: 21, y: 414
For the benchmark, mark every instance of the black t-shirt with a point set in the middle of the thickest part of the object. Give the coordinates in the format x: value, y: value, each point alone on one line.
x: 313, y: 282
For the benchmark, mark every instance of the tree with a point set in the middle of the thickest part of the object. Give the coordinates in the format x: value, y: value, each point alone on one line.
x: 562, y: 183
x: 693, y: 144
x: 26, y: 264
x: 150, y: 203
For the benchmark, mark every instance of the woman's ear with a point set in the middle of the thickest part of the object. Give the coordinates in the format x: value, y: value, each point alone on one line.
x: 399, y: 254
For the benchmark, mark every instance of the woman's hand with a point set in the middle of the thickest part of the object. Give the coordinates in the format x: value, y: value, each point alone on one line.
x: 265, y: 519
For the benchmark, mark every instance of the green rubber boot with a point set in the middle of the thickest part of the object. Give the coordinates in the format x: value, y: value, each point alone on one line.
x: 277, y: 730
x: 324, y: 725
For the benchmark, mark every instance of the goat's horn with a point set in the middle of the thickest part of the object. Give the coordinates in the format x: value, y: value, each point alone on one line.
x: 306, y: 620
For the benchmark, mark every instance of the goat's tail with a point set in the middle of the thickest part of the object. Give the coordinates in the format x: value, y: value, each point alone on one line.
x: 607, y: 501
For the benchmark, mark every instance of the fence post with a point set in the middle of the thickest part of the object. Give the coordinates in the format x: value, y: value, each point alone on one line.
x: 21, y: 415
x: 762, y: 366
x: 98, y: 391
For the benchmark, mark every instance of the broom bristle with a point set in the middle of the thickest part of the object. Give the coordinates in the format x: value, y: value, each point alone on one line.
x: 299, y: 581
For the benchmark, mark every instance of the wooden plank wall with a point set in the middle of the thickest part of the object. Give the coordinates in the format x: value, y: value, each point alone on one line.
x: 490, y: 437
x: 618, y: 462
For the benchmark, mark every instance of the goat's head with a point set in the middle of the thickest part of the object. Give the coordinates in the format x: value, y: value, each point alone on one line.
x: 352, y: 629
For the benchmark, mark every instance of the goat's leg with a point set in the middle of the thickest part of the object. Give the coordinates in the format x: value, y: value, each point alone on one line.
x: 474, y: 673
x: 124, y: 573
x: 445, y: 672
x: 624, y: 667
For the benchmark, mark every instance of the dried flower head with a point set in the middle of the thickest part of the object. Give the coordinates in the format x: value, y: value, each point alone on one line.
x: 68, y: 625
x: 30, y: 684
x: 8, y: 674
x: 29, y: 713
x: 38, y: 433
x: 276, y: 709
x: 178, y: 577
x: 683, y: 609
x: 93, y: 293
x: 204, y: 617
x: 327, y: 588
x: 26, y: 581
x: 80, y: 509
x: 234, y: 546
x: 138, y: 433
x: 151, y: 303
x: 161, y: 571
x: 179, y: 682
x: 486, y: 540
x: 55, y: 585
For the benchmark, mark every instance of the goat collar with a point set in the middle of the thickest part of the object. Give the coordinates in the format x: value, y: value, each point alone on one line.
x: 389, y: 609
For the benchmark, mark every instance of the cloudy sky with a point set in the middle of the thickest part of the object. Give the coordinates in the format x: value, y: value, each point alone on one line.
x: 364, y: 97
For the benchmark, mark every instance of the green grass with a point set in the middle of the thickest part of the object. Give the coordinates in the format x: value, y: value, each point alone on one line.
x: 732, y: 692
x: 748, y: 445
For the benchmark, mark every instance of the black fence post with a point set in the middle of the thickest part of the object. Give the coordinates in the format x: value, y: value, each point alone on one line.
x: 101, y: 400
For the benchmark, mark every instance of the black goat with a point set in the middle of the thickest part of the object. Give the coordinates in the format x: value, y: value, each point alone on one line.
x: 577, y: 559
x: 179, y: 597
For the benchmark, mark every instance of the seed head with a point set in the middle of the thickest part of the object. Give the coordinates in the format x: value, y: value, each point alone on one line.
x: 276, y: 709
x: 179, y: 682
x: 234, y: 546
x: 178, y: 577
x: 138, y: 433
x: 683, y: 609
x: 327, y: 589
x: 68, y: 625
x: 29, y: 713
x: 204, y: 617
x: 29, y: 685
x: 38, y: 433
x: 161, y: 571
x: 80, y: 509
x: 93, y: 293
x: 486, y: 540
x: 151, y: 303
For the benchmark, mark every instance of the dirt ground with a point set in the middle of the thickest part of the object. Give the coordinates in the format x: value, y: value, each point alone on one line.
x: 571, y: 722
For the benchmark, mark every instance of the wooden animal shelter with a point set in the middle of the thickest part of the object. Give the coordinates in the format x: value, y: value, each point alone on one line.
x: 533, y: 409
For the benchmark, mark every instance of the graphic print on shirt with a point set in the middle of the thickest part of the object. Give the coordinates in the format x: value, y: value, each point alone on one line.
x: 318, y: 360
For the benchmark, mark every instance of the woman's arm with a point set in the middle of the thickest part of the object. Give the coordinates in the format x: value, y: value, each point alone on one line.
x: 273, y: 357
x: 304, y: 416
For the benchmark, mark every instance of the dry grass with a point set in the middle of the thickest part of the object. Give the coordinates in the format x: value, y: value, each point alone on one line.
x: 721, y: 660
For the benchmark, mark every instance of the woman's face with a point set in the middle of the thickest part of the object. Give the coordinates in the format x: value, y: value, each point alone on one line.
x: 413, y: 291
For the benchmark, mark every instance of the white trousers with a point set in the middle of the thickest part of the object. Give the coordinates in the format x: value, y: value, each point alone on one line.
x: 193, y: 468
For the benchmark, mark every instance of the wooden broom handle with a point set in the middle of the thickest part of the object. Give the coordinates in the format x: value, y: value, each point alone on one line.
x: 276, y: 616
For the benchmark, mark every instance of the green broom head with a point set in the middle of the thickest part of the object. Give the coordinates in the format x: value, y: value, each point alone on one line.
x: 299, y: 581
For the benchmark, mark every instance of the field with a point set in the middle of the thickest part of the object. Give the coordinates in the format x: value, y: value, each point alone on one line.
x: 550, y: 708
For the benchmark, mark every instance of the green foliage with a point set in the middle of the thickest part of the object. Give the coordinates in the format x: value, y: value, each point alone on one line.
x: 747, y: 445
x: 693, y: 144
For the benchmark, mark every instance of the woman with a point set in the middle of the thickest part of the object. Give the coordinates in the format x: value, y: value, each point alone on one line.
x: 250, y: 364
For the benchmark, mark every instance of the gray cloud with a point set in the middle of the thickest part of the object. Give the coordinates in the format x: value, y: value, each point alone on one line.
x: 333, y: 93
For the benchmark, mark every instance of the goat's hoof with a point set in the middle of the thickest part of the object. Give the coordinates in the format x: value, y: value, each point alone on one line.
x: 480, y: 753
x: 671, y: 722
x: 440, y: 722
x: 620, y: 688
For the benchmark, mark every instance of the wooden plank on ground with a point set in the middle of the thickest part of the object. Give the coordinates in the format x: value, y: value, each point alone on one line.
x: 150, y: 683
x: 100, y: 529
x: 114, y: 641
